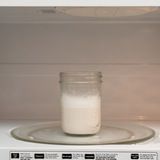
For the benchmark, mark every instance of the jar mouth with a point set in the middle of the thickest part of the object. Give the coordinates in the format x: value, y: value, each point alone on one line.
x: 81, y: 73
x: 80, y: 77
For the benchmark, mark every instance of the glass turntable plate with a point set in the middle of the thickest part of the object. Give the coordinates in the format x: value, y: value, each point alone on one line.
x: 110, y: 133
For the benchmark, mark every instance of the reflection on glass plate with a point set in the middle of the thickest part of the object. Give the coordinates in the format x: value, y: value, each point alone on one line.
x: 111, y: 133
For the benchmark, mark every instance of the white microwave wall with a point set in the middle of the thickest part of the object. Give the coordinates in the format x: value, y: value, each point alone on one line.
x: 32, y: 55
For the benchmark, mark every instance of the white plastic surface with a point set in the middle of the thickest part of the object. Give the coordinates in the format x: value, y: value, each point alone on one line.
x: 8, y: 143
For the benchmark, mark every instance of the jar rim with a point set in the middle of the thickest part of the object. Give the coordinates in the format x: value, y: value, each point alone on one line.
x: 81, y: 73
x: 80, y: 77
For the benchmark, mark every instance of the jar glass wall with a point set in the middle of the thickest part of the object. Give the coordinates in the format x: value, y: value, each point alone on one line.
x: 80, y: 102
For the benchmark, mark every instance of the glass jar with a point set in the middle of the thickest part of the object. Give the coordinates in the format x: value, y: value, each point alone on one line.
x: 80, y: 102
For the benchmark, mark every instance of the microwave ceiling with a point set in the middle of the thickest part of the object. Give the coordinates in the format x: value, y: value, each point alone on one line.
x: 78, y: 14
x: 105, y: 12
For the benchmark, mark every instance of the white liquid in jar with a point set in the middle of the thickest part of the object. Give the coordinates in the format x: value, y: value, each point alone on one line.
x: 81, y: 114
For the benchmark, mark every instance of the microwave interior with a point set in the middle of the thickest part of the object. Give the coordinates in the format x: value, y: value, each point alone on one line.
x: 37, y: 43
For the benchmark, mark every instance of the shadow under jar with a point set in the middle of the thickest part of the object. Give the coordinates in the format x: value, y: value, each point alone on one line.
x: 80, y: 102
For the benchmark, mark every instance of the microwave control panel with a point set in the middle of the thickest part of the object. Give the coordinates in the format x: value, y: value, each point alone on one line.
x: 80, y: 155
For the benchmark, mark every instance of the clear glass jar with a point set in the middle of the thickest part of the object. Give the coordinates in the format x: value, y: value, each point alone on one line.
x: 80, y: 102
